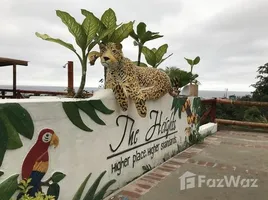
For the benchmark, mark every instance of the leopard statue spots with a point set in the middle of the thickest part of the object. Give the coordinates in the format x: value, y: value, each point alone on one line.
x: 128, y: 80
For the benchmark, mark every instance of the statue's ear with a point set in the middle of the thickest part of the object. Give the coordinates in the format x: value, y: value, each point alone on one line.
x: 101, y: 45
x: 119, y: 46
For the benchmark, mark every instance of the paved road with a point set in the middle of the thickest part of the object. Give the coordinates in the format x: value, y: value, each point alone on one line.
x: 209, y: 168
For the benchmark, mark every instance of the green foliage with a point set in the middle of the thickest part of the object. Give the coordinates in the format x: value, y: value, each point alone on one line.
x: 192, y: 63
x: 14, y: 120
x: 91, y: 193
x: 154, y: 57
x: 179, y: 78
x: 88, y: 34
x: 89, y: 108
x: 140, y: 38
x: 253, y: 114
x: 261, y: 86
x: 8, y: 187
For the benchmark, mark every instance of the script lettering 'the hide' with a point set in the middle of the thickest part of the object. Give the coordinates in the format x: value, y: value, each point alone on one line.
x: 132, y: 137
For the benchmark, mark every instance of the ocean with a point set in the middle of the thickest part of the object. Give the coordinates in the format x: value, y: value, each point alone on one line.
x: 207, y: 94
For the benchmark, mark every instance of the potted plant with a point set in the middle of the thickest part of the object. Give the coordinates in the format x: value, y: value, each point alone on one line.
x: 193, y: 87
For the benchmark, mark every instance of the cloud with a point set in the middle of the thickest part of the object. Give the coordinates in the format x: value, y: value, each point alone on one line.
x: 230, y: 37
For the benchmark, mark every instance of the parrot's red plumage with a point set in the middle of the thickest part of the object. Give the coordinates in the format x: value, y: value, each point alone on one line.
x: 35, y: 164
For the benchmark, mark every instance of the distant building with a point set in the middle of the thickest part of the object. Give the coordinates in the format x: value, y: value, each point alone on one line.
x: 232, y: 97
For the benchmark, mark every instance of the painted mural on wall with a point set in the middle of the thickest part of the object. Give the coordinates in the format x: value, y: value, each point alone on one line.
x: 89, y: 107
x: 136, y: 146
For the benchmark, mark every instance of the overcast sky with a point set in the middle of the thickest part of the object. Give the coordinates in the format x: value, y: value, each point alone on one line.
x: 230, y: 36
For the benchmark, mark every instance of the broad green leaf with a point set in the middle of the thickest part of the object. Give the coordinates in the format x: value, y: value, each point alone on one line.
x: 72, y: 112
x: 141, y: 29
x: 100, y: 194
x: 98, y: 105
x: 121, y: 33
x: 9, y: 187
x: 161, y: 52
x: 91, y: 27
x: 106, y: 33
x: 92, y: 190
x: 196, y: 60
x: 74, y: 27
x: 86, y: 12
x: 20, y: 119
x: 80, y: 190
x: 149, y: 36
x: 57, y: 177
x: 190, y: 62
x: 54, y: 190
x: 109, y: 18
x: 90, y: 111
x: 48, y: 38
x: 3, y: 141
x: 134, y: 36
x: 149, y: 56
x: 163, y: 60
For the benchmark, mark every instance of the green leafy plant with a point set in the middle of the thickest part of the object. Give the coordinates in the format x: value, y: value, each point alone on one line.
x: 179, y: 78
x: 141, y: 37
x: 14, y: 120
x: 89, y: 108
x: 9, y: 187
x: 91, y: 193
x: 154, y: 57
x: 88, y: 34
x: 192, y: 63
x: 24, y: 188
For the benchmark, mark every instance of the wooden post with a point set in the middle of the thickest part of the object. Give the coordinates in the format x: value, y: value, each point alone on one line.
x: 14, y: 81
x: 70, y: 77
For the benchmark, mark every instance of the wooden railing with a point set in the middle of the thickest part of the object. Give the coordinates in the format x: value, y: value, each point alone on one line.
x: 211, y: 112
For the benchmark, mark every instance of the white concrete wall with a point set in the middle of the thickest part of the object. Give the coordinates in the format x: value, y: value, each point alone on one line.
x: 80, y: 152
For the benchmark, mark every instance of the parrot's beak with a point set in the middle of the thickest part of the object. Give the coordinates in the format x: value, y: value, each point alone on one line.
x: 54, y: 140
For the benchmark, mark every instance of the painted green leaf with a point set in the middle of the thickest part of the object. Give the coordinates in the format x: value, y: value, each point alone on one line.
x: 14, y: 141
x: 109, y: 18
x: 57, y: 177
x: 80, y: 190
x: 90, y: 111
x: 141, y: 29
x: 54, y: 190
x: 149, y: 56
x: 86, y: 12
x: 103, y: 190
x: 1, y: 173
x: 73, y: 114
x: 20, y: 119
x: 91, y: 26
x: 122, y: 32
x: 74, y: 27
x: 98, y: 105
x: 3, y: 141
x: 196, y: 60
x: 105, y: 33
x: 92, y: 190
x: 161, y: 52
x: 134, y: 36
x: 9, y: 187
x: 59, y: 41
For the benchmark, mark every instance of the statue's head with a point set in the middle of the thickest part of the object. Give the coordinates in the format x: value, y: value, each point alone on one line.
x: 111, y: 54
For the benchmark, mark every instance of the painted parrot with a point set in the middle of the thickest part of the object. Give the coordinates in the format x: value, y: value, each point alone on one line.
x: 35, y: 164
